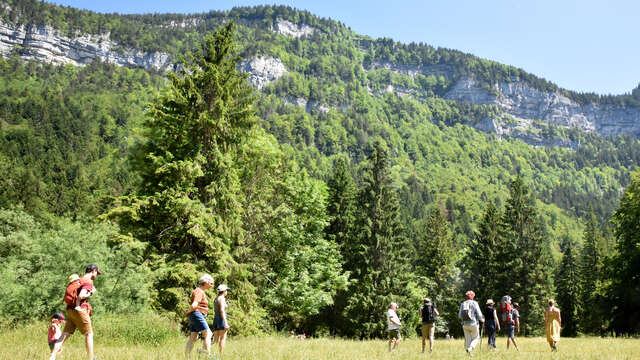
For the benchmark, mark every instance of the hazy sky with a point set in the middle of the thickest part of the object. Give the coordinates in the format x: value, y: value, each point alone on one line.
x: 586, y: 45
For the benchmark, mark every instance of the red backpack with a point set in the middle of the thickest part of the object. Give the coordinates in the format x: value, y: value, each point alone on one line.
x: 71, y: 293
x: 506, y: 310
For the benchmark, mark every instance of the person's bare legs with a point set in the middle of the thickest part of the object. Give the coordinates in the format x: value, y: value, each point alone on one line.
x: 192, y: 339
x: 424, y: 343
x: 88, y: 341
x: 221, y: 337
x: 206, y: 336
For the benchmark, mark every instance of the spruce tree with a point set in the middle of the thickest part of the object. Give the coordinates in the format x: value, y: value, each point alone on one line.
x: 568, y: 289
x: 379, y: 257
x: 624, y: 269
x: 591, y: 267
x: 482, y: 261
x: 526, y: 271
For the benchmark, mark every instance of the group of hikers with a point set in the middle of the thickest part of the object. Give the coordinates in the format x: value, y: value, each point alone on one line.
x: 80, y: 289
x: 78, y: 315
x: 471, y: 316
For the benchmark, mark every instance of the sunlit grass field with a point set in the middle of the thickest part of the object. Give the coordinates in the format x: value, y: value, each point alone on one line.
x: 29, y: 342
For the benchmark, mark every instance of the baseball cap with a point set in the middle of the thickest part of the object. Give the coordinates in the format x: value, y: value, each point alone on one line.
x: 223, y: 287
x: 92, y: 267
x: 59, y: 316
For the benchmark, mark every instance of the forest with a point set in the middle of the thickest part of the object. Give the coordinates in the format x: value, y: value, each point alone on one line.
x: 317, y: 219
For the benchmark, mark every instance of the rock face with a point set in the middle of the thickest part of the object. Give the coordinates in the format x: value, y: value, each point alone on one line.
x: 524, y: 103
x: 45, y: 44
x: 263, y: 70
x: 288, y: 28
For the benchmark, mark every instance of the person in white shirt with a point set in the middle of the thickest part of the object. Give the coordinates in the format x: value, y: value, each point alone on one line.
x: 471, y: 316
x: 393, y: 322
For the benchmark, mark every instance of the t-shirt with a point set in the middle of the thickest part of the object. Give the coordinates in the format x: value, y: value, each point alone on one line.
x: 391, y: 315
x: 199, y: 295
x: 54, y: 333
x: 515, y: 314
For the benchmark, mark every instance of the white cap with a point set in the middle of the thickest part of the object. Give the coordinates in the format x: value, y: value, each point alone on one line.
x: 223, y: 287
x: 206, y: 278
x: 393, y: 304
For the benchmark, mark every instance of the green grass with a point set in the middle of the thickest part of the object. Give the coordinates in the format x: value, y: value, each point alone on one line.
x: 29, y: 342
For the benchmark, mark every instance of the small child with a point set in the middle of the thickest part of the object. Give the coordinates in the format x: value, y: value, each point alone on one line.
x: 55, y: 335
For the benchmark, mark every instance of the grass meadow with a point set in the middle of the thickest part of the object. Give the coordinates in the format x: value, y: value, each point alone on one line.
x: 133, y: 339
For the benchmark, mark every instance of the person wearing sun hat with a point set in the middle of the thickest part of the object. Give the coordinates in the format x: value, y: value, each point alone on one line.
x: 393, y: 326
x: 491, y: 324
x: 220, y: 323
x: 197, y: 315
x: 471, y: 315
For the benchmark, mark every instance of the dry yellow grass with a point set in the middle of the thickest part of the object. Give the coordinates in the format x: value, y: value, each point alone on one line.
x: 29, y: 342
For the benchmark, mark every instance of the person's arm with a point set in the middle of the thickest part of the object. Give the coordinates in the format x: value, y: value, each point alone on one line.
x: 420, y: 313
x: 559, y: 318
x: 495, y: 319
x: 479, y: 312
x: 223, y: 312
x: 546, y: 317
x: 460, y: 312
x: 193, y: 306
x: 518, y: 323
x: 435, y: 312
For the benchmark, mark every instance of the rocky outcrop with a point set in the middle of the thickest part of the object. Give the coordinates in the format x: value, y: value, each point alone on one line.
x: 45, y: 44
x: 413, y: 70
x: 263, y: 70
x: 288, y: 28
x: 525, y: 103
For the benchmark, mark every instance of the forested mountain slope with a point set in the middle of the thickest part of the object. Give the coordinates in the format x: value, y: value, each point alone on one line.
x: 452, y: 124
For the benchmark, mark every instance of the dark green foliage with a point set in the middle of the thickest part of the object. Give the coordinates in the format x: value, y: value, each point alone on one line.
x: 482, y: 261
x: 526, y: 271
x: 624, y: 269
x: 594, y: 250
x: 568, y: 289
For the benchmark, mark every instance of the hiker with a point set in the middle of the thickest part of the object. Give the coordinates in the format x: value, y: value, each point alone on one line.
x: 197, y: 314
x: 507, y: 315
x: 491, y: 323
x: 514, y: 326
x: 393, y: 326
x: 470, y: 314
x: 54, y: 336
x: 428, y: 313
x: 79, y: 310
x: 552, y: 325
x: 220, y: 323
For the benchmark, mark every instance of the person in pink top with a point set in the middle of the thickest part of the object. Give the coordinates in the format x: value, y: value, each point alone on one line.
x: 54, y: 336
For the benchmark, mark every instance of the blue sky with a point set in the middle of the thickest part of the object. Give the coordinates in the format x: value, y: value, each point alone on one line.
x: 587, y: 45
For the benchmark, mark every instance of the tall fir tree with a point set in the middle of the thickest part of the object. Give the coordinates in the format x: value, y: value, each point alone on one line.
x: 591, y: 267
x: 379, y: 258
x: 435, y: 259
x: 568, y: 288
x: 526, y: 270
x: 624, y: 268
x: 482, y: 260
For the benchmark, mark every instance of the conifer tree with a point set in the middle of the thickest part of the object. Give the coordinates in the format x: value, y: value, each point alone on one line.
x: 379, y: 258
x: 624, y: 270
x: 568, y: 289
x: 482, y: 261
x: 525, y: 264
x: 591, y: 267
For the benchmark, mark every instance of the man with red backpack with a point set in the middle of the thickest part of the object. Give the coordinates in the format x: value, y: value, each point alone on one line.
x: 510, y: 319
x: 79, y: 310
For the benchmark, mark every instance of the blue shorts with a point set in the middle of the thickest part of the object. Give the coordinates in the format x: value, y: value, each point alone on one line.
x: 511, y: 331
x: 198, y: 322
x: 218, y: 323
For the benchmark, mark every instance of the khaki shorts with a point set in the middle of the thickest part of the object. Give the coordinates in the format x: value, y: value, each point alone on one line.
x: 78, y: 320
x: 428, y: 330
x: 394, y: 334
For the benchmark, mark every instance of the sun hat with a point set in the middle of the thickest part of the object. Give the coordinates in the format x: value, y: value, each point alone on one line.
x: 72, y: 278
x: 223, y: 287
x: 427, y: 300
x: 206, y: 278
x: 516, y: 305
x: 393, y: 304
x: 490, y: 302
